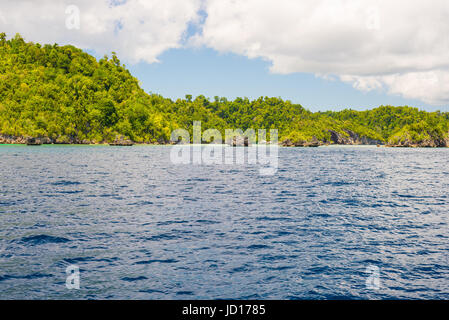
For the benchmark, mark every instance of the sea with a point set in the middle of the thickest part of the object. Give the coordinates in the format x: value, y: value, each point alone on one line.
x: 340, y: 222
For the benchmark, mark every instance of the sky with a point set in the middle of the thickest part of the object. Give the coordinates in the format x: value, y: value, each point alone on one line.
x: 323, y: 54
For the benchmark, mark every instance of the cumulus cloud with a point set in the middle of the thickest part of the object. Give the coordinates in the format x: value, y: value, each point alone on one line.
x: 138, y: 30
x: 401, y: 46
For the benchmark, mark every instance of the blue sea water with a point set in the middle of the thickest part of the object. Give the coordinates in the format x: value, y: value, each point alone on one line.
x: 139, y: 227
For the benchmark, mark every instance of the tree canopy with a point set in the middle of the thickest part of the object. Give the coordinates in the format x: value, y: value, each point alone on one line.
x: 65, y: 94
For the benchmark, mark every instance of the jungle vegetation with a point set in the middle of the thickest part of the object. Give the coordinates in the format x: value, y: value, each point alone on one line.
x: 67, y: 95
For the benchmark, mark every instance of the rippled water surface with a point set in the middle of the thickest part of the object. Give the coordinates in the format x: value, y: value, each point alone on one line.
x: 139, y: 227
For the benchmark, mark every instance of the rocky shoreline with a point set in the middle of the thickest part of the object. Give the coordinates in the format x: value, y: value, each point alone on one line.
x: 336, y: 139
x: 353, y: 138
x: 8, y: 139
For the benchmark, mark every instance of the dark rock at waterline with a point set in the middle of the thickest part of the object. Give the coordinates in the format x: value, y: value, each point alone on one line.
x: 310, y: 144
x: 352, y: 138
x: 313, y: 143
x: 46, y: 140
x: 33, y: 142
x: 287, y: 143
x: 240, y: 142
x: 121, y: 141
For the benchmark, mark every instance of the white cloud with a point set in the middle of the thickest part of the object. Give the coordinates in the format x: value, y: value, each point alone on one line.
x: 138, y: 30
x: 402, y: 46
x: 428, y: 86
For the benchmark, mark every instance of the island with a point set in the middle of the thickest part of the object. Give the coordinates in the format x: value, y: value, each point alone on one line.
x: 51, y: 94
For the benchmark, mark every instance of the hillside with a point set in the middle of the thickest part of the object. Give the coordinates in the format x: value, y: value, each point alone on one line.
x: 64, y: 95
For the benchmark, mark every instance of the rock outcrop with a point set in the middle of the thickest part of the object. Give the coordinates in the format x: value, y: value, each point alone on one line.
x: 34, y: 141
x: 352, y: 138
x: 287, y: 143
x: 239, y: 141
x: 121, y: 141
x: 436, y: 143
x: 6, y: 139
x: 309, y: 144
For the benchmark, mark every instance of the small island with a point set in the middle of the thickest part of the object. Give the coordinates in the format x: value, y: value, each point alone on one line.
x: 52, y: 94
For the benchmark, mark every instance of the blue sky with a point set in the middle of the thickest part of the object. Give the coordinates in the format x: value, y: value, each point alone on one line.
x: 208, y: 72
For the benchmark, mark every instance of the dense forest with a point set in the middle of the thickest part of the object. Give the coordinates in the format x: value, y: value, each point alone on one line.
x: 64, y: 95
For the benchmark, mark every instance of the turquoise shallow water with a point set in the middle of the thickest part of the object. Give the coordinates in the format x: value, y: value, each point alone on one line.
x: 140, y: 227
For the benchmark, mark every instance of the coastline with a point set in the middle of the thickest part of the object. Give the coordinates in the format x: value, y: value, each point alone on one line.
x: 354, y: 140
x: 220, y: 145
